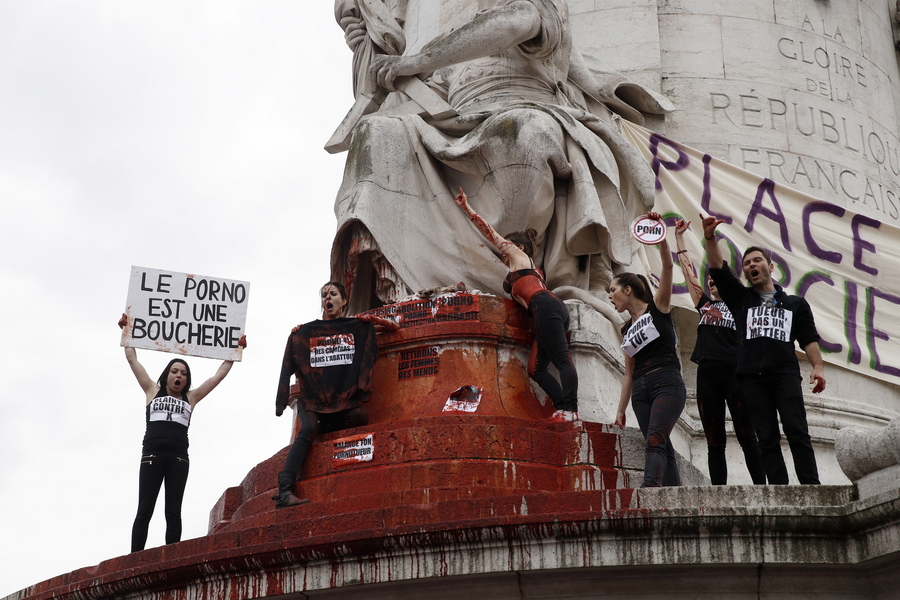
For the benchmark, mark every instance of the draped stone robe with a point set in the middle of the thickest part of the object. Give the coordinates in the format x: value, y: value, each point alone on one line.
x: 528, y: 154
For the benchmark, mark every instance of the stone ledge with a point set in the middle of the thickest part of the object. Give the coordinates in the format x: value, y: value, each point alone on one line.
x: 709, y: 538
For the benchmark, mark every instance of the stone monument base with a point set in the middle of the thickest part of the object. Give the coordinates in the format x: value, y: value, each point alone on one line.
x: 706, y: 542
x: 449, y: 495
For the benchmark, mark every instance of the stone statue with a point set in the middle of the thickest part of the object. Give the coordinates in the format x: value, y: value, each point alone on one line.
x: 530, y: 138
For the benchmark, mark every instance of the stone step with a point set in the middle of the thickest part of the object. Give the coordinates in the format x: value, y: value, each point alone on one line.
x: 462, y: 456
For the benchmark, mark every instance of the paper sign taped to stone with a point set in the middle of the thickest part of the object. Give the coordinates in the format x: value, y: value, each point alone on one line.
x: 187, y: 314
x: 465, y: 399
x: 353, y: 449
x: 332, y: 350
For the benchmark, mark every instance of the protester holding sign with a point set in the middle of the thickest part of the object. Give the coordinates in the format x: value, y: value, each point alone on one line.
x: 332, y: 359
x: 185, y: 313
x: 525, y: 283
x: 715, y: 353
x: 652, y: 377
x: 769, y: 321
x: 170, y: 402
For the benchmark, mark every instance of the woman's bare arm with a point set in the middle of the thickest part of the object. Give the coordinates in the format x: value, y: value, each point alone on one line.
x: 517, y: 258
x: 201, y: 391
x: 147, y: 384
x: 687, y: 267
x: 663, y: 297
x: 625, y: 395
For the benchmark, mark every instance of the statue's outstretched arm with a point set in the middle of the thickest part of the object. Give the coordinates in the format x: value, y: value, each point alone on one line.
x: 489, y: 33
x: 568, y: 292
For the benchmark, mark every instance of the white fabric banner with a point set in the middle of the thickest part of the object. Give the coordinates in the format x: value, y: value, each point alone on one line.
x: 846, y: 265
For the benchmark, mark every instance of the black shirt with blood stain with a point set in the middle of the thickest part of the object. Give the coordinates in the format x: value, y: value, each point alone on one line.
x: 339, y: 375
x: 717, y: 336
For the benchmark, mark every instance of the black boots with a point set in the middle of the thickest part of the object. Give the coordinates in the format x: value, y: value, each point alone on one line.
x: 286, y: 499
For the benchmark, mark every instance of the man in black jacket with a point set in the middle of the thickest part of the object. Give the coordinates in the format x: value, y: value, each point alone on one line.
x: 769, y: 322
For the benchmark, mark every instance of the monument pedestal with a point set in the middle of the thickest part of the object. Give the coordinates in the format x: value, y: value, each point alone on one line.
x: 457, y: 430
x: 500, y: 503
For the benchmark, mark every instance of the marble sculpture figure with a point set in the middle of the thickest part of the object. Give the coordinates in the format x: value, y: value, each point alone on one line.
x: 531, y: 139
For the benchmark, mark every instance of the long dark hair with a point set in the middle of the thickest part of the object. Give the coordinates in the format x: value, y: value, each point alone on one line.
x: 639, y: 286
x: 525, y: 239
x: 165, y: 374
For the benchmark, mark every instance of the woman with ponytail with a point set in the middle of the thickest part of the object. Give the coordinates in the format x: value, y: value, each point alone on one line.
x: 525, y: 283
x: 652, y: 377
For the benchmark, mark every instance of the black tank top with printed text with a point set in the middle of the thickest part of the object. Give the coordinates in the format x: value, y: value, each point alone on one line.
x: 168, y: 419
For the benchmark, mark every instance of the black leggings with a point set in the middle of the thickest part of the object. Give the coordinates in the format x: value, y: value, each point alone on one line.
x: 310, y: 424
x: 716, y: 386
x: 156, y: 467
x: 658, y: 398
x: 551, y: 321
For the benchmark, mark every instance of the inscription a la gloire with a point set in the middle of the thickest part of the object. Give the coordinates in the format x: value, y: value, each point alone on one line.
x: 842, y: 78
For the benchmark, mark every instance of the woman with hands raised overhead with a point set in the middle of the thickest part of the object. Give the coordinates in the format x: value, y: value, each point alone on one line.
x: 169, y: 402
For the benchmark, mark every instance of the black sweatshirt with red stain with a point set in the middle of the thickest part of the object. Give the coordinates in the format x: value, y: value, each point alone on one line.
x: 333, y: 363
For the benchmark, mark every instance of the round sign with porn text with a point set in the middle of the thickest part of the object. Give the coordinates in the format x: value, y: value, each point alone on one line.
x: 648, y: 231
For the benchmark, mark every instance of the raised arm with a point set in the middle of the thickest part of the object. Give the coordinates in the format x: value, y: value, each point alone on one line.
x: 517, y: 259
x: 663, y: 296
x: 712, y: 245
x: 381, y: 324
x: 140, y: 373
x: 202, y: 390
x: 684, y: 261
x: 489, y: 33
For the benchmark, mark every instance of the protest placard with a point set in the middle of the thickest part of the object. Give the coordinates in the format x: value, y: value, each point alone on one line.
x: 194, y: 315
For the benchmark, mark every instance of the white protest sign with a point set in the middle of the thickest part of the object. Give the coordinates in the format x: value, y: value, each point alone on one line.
x: 186, y: 314
x: 648, y: 231
x: 353, y: 449
x: 332, y: 350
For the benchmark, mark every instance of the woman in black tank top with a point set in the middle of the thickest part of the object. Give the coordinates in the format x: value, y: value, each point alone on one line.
x: 652, y: 379
x: 169, y: 404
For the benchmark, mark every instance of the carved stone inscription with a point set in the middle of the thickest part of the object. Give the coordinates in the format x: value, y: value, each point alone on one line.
x: 824, y: 120
x: 876, y: 187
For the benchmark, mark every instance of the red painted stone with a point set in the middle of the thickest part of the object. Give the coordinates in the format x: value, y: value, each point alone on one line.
x: 500, y: 471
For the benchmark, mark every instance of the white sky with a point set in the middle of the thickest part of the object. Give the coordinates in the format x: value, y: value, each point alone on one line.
x: 183, y: 135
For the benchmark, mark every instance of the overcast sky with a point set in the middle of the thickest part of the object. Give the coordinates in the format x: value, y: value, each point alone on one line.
x: 183, y: 135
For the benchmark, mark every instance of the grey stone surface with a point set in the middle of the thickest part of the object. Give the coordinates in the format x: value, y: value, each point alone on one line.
x: 785, y: 82
x: 806, y: 93
x: 534, y: 144
x: 706, y: 542
x: 871, y: 458
x: 879, y: 482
